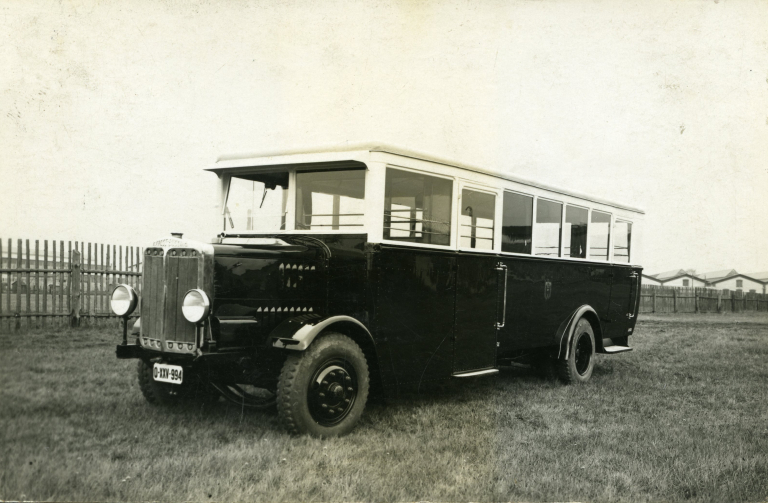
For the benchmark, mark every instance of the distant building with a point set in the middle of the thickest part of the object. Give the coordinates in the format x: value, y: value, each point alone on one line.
x: 650, y: 280
x: 730, y: 279
x: 762, y: 277
x: 679, y: 277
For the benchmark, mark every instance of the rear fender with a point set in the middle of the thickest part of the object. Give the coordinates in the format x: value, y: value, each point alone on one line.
x: 565, y: 331
x: 298, y: 333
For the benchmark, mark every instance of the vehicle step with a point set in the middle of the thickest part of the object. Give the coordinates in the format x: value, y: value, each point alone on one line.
x: 616, y: 349
x: 476, y: 373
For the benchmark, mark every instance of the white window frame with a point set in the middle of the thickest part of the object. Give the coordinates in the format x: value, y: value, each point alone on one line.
x: 629, y: 251
x: 610, y: 234
x: 536, y: 231
x: 562, y: 232
x: 463, y: 184
x: 533, y: 223
x: 454, y: 226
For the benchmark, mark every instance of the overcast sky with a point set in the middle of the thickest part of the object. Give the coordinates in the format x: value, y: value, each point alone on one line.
x: 110, y: 110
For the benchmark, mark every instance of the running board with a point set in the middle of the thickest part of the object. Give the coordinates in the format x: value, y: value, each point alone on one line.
x: 612, y: 350
x: 477, y: 373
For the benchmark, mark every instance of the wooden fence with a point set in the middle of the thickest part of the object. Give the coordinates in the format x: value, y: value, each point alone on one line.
x: 63, y: 284
x: 667, y: 299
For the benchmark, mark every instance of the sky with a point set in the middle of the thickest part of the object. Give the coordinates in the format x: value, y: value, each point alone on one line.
x: 111, y: 110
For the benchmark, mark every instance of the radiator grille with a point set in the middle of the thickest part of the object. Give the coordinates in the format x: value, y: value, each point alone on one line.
x: 167, y: 278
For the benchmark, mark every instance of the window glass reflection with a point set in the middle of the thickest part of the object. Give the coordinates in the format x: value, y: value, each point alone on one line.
x: 575, y: 232
x: 548, y: 227
x: 477, y: 219
x: 622, y: 241
x: 517, y: 223
x: 599, y: 233
x: 330, y: 200
x: 417, y: 208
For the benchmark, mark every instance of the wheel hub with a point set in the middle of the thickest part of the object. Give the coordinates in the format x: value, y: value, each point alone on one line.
x: 332, y: 392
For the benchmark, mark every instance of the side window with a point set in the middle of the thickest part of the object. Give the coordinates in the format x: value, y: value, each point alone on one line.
x: 599, y: 233
x: 739, y: 283
x: 548, y: 228
x: 517, y: 223
x: 330, y: 200
x: 622, y: 241
x: 575, y: 232
x: 417, y: 208
x: 477, y: 220
x: 686, y: 282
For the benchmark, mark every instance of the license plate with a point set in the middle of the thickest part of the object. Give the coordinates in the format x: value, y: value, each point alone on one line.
x: 173, y: 374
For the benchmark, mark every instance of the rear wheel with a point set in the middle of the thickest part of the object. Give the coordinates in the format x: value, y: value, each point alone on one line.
x: 577, y: 368
x: 323, y: 390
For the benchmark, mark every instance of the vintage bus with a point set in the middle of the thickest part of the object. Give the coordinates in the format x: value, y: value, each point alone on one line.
x: 375, y: 268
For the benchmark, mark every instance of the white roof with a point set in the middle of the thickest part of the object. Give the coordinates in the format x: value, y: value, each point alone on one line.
x: 361, y: 152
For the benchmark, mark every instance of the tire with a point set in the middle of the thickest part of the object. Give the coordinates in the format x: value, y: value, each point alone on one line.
x: 323, y: 390
x: 192, y: 389
x: 578, y: 367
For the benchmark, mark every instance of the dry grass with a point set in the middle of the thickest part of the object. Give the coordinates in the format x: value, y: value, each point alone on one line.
x: 683, y: 417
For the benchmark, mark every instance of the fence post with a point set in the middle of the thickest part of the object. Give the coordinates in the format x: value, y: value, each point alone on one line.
x: 674, y: 300
x: 75, y: 289
x: 654, y: 301
x: 719, y: 301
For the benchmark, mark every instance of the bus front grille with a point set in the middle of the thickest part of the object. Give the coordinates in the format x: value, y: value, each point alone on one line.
x: 167, y: 278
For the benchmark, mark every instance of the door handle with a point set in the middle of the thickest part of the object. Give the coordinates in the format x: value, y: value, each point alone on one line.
x: 502, y: 267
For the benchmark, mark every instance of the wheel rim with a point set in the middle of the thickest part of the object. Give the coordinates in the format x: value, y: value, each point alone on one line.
x: 332, y: 392
x: 583, y: 354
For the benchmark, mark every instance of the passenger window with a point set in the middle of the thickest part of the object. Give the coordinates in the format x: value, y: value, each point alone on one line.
x: 548, y: 227
x: 622, y: 232
x: 477, y: 217
x: 517, y: 223
x: 599, y: 233
x: 417, y: 208
x: 575, y: 232
x: 257, y: 202
x: 330, y: 200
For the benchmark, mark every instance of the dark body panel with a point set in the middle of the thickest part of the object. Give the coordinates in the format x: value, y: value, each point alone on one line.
x: 477, y: 308
x: 267, y: 285
x: 542, y: 294
x: 414, y: 311
x: 430, y: 313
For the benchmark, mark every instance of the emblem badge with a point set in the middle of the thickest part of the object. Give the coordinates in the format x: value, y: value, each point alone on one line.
x: 547, y: 290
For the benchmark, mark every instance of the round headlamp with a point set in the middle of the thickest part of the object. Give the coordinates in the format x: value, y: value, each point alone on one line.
x: 124, y: 300
x: 195, y: 306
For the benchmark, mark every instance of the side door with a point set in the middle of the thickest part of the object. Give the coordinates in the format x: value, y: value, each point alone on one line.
x: 478, y: 279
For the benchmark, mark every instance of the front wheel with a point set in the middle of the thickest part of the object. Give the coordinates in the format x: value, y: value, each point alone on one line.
x: 323, y: 390
x: 577, y: 368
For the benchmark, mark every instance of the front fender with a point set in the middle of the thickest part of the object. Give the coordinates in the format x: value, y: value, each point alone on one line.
x: 298, y: 333
x: 565, y: 331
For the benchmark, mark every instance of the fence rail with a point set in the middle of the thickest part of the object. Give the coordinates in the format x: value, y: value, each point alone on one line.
x: 63, y: 283
x: 668, y: 299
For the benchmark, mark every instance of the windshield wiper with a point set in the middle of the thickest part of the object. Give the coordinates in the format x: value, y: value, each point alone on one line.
x: 229, y: 217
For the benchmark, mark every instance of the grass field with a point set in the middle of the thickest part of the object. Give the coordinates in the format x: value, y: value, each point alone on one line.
x: 683, y: 417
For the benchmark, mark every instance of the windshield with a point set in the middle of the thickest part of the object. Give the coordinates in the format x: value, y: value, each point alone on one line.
x: 257, y: 202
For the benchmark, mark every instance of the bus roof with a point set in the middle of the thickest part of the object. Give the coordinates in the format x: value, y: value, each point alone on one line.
x: 355, y: 151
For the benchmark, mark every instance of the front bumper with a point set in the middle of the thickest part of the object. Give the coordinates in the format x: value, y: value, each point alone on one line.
x: 134, y: 351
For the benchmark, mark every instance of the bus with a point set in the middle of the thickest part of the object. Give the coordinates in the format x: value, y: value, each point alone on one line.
x: 370, y: 269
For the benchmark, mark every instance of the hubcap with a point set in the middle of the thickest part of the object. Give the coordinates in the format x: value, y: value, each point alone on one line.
x: 332, y: 392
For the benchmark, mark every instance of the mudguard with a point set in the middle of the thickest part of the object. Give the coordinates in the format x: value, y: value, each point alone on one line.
x: 565, y: 331
x: 298, y: 333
